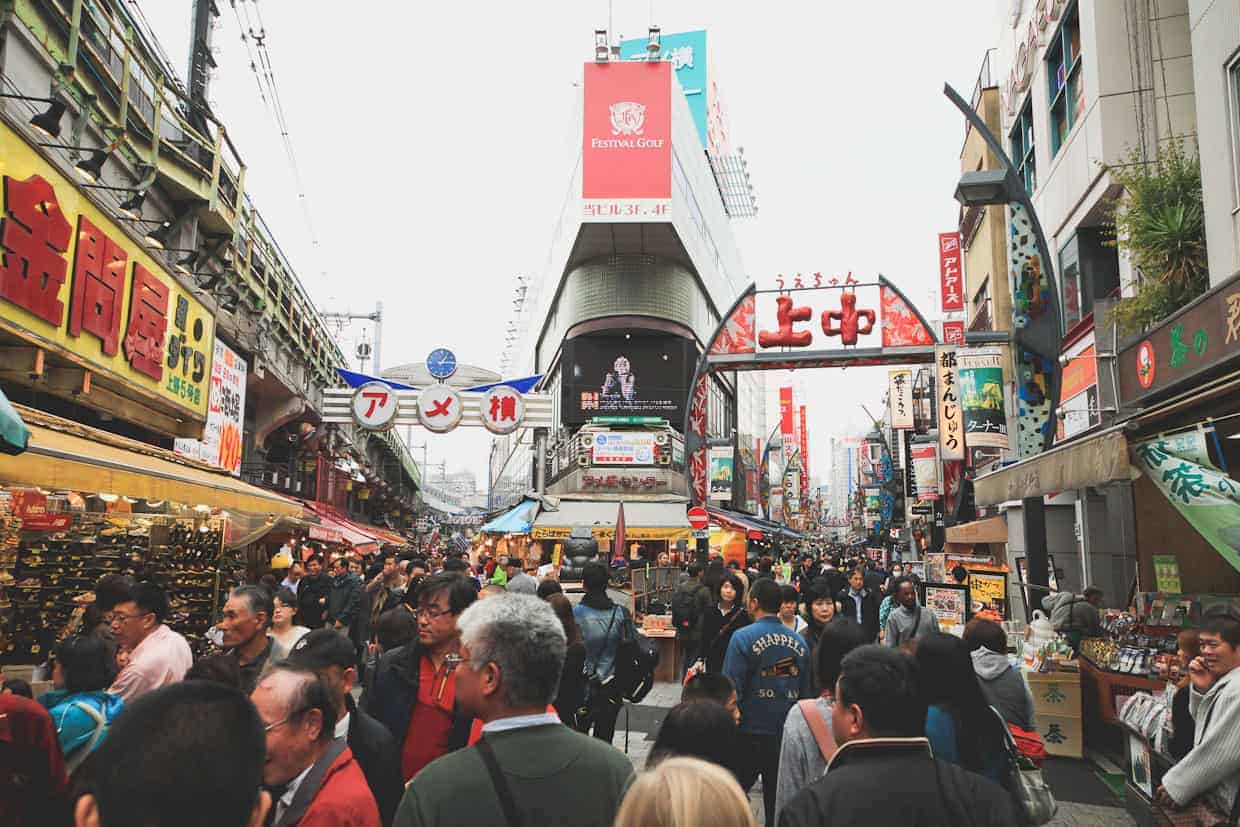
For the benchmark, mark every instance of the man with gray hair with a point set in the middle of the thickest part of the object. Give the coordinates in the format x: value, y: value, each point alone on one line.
x: 539, y: 771
x: 246, y: 617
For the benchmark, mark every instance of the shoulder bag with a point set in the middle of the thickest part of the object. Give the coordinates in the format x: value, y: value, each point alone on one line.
x: 1035, y: 803
x: 502, y: 791
x: 818, y: 728
x: 101, y: 727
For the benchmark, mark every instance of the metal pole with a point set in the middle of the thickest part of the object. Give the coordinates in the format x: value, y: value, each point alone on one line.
x: 378, y: 335
x: 540, y: 465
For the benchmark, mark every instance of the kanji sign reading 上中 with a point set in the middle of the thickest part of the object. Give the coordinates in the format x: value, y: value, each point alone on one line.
x: 72, y: 281
x: 951, y: 429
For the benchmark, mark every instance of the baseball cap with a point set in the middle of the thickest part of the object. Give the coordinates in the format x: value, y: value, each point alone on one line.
x: 322, y: 648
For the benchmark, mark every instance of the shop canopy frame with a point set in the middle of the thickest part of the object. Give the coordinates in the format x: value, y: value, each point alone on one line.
x: 643, y: 520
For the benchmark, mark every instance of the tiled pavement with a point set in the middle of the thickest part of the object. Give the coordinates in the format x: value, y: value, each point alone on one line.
x: 1084, y: 801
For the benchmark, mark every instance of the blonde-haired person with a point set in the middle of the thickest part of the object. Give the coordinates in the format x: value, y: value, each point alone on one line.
x: 685, y: 792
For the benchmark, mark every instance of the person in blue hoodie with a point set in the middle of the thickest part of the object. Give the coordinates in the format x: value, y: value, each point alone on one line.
x: 80, y: 706
x: 768, y: 663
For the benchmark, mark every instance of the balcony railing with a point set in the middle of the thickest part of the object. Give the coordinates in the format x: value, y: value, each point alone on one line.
x: 982, y: 318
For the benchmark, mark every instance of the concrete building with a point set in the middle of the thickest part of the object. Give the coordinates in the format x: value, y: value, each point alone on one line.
x: 1215, y: 41
x: 637, y: 294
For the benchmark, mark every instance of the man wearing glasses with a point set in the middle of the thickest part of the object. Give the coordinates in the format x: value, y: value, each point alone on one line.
x: 414, y: 690
x: 158, y: 656
x: 1212, y: 768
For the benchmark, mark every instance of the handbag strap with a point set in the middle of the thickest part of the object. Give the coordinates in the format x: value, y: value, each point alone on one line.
x: 502, y: 790
x: 818, y: 728
x: 101, y: 723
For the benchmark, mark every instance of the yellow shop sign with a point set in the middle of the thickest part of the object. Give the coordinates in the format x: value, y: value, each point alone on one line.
x: 73, y: 282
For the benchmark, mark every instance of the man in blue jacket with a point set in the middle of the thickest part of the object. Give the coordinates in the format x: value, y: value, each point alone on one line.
x: 768, y: 664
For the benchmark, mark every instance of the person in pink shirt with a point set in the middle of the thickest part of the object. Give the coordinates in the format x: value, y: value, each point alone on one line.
x: 158, y: 656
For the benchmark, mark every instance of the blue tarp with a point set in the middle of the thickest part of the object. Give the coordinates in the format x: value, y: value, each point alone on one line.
x: 515, y: 521
x: 354, y: 379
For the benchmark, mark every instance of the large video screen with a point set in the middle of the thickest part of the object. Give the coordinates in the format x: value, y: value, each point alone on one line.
x: 614, y: 376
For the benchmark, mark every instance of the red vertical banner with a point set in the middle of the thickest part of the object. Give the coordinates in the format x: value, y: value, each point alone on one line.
x: 804, y: 461
x: 627, y: 140
x: 951, y: 278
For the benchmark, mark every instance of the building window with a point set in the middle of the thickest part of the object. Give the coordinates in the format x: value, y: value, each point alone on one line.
x: 1070, y: 283
x: 1088, y: 271
x: 1022, y: 148
x: 1233, y: 105
x: 1064, y: 78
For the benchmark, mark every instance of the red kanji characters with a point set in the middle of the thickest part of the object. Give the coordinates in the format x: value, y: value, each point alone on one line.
x: 503, y: 409
x: 148, y: 322
x: 785, y: 337
x: 848, y: 318
x: 98, y: 286
x: 34, y: 236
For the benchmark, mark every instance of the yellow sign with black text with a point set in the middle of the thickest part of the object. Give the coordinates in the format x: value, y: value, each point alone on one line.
x: 73, y: 282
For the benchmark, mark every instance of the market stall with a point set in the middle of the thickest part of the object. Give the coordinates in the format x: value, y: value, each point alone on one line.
x: 650, y: 526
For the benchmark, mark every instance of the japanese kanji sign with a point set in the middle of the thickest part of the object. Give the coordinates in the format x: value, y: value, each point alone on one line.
x: 502, y: 408
x: 71, y: 280
x: 221, y: 438
x: 951, y: 273
x: 900, y: 398
x: 951, y: 424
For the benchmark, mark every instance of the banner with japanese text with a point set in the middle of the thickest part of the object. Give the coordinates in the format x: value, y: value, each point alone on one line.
x: 951, y: 428
x: 221, y: 438
x: 803, y: 439
x: 900, y: 398
x: 75, y: 282
x: 980, y: 373
x: 787, y: 433
x: 1207, y: 498
x: 951, y: 279
x: 926, y: 471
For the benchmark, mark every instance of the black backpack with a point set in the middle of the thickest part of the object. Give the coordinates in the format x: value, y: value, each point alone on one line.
x: 636, y: 659
x: 685, y: 610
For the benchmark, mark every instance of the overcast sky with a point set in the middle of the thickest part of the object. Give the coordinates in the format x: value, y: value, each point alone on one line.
x: 435, y: 146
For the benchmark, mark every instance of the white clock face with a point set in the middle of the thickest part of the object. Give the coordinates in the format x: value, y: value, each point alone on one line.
x: 439, y: 408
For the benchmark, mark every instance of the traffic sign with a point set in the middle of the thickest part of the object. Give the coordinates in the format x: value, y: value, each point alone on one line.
x: 698, y: 518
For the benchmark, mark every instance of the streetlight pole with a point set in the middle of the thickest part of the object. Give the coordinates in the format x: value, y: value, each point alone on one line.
x: 1037, y: 337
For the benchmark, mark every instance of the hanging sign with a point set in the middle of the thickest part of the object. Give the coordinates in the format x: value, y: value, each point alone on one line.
x: 374, y: 406
x: 721, y: 473
x: 953, y: 333
x: 900, y: 398
x: 951, y: 282
x: 980, y: 374
x: 221, y: 438
x: 951, y: 428
x: 926, y: 471
x: 439, y: 408
x: 502, y: 408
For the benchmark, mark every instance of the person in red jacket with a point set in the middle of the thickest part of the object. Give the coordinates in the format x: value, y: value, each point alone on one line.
x: 312, y: 776
x: 33, y: 786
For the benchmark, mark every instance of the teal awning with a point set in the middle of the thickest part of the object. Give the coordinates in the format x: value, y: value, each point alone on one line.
x: 515, y: 521
x: 14, y: 435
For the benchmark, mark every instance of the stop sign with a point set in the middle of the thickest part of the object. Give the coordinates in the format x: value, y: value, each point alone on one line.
x: 698, y: 518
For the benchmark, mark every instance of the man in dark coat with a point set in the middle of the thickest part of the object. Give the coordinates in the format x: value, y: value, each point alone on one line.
x: 312, y: 594
x: 860, y: 604
x: 879, y: 719
x: 333, y: 657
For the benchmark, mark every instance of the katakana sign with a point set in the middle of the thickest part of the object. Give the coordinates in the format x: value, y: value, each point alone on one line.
x: 439, y: 408
x: 374, y: 406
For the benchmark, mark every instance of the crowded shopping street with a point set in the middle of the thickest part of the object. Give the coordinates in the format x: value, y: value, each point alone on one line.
x: 409, y: 419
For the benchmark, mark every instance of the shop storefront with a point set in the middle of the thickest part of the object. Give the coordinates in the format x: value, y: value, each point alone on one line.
x: 81, y: 503
x: 649, y: 527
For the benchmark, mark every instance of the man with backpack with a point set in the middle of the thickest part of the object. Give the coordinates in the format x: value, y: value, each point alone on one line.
x: 604, y: 626
x: 689, y: 604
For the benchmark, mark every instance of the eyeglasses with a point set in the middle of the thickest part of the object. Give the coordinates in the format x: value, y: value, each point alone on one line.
x: 431, y: 612
x: 117, y: 618
x: 286, y: 719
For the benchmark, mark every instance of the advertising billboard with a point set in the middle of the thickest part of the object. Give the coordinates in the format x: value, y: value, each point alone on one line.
x: 615, y: 376
x: 622, y: 448
x: 981, y: 398
x: 626, y: 172
x: 686, y: 53
x: 721, y: 473
x: 221, y: 438
x: 951, y: 279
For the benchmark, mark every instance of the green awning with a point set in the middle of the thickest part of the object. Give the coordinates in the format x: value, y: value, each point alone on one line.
x: 14, y: 435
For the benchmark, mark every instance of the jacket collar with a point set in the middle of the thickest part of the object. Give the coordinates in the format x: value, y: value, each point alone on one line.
x: 868, y: 749
x: 331, y: 761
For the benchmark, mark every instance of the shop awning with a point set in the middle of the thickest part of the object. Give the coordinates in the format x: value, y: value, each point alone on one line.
x: 64, y: 455
x: 1094, y: 460
x: 642, y: 520
x: 990, y: 530
x: 363, y: 537
x: 517, y: 520
x: 749, y: 523
x: 14, y: 435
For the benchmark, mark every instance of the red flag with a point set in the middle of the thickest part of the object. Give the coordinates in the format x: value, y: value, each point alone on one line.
x: 620, y: 533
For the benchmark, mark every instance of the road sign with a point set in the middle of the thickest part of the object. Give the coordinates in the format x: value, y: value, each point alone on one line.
x: 698, y: 518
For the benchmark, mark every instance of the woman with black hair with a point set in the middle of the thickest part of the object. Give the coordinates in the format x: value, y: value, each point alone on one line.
x: 959, y: 722
x: 801, y: 757
x: 722, y: 621
x: 80, y: 706
x: 698, y: 729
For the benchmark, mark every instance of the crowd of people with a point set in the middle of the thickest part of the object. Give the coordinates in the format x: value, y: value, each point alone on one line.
x: 448, y: 693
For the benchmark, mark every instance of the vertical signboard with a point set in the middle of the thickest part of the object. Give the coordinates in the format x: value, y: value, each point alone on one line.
x: 953, y: 333
x: 900, y: 398
x: 221, y: 438
x: 951, y: 281
x: 926, y: 471
x: 787, y: 437
x: 980, y: 374
x: 721, y: 473
x: 685, y: 52
x: 626, y: 172
x: 951, y: 428
x: 804, y: 440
